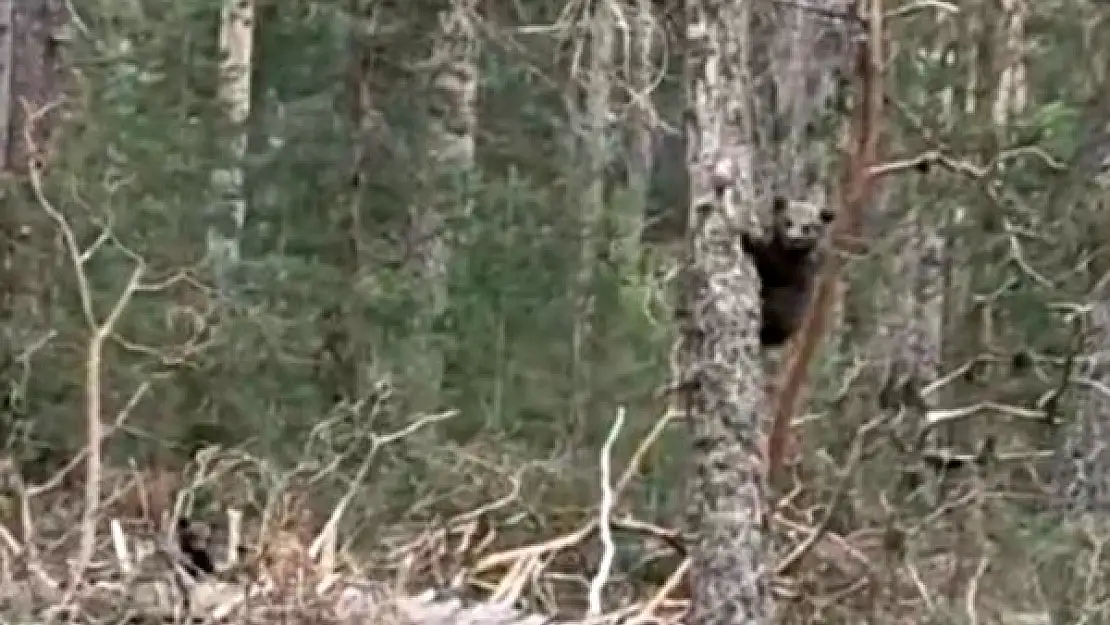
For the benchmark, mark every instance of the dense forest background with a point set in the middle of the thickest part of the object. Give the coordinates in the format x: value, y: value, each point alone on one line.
x: 258, y: 244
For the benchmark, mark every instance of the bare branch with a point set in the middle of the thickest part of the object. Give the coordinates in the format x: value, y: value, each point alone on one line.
x: 920, y: 6
x: 608, y: 499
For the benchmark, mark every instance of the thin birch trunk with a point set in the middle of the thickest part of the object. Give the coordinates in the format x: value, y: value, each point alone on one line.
x: 1013, y: 92
x: 230, y: 207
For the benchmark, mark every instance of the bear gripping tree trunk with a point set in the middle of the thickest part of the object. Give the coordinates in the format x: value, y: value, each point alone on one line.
x: 717, y: 356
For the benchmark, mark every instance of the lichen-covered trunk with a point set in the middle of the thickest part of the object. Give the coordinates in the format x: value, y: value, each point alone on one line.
x: 717, y: 356
x: 228, y: 211
x: 452, y: 112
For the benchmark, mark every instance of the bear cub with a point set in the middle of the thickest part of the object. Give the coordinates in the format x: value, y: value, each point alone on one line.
x: 788, y: 259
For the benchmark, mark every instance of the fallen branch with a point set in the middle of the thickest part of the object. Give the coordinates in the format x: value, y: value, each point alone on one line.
x: 605, y: 511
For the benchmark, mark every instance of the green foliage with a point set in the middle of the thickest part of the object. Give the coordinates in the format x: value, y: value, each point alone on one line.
x: 324, y: 308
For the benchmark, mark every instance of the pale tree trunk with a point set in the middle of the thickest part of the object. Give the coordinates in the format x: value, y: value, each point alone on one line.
x: 641, y: 132
x: 717, y: 356
x: 453, y: 95
x: 595, y: 145
x: 1081, y: 475
x: 912, y: 311
x: 972, y: 40
x: 1013, y: 90
x: 229, y: 210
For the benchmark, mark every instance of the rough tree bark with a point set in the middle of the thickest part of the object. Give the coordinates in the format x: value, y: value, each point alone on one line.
x: 717, y: 356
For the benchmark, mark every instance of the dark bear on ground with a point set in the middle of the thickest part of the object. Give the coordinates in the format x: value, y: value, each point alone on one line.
x: 787, y: 260
x: 192, y: 539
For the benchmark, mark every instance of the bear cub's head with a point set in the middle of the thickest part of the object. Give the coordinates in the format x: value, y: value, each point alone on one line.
x: 798, y: 226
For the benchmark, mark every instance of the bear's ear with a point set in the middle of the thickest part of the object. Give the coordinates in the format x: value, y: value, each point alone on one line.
x: 779, y: 204
x: 827, y: 215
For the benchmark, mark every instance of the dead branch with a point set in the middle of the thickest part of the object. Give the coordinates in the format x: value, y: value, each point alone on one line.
x: 100, y: 331
x: 855, y: 455
x: 605, y: 511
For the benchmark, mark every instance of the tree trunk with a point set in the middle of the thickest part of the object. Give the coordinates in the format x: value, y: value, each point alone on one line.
x: 453, y: 121
x: 593, y: 143
x: 229, y: 210
x: 717, y: 356
x: 642, y: 130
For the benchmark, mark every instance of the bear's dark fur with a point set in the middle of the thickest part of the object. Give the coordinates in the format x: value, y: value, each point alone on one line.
x: 788, y: 260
